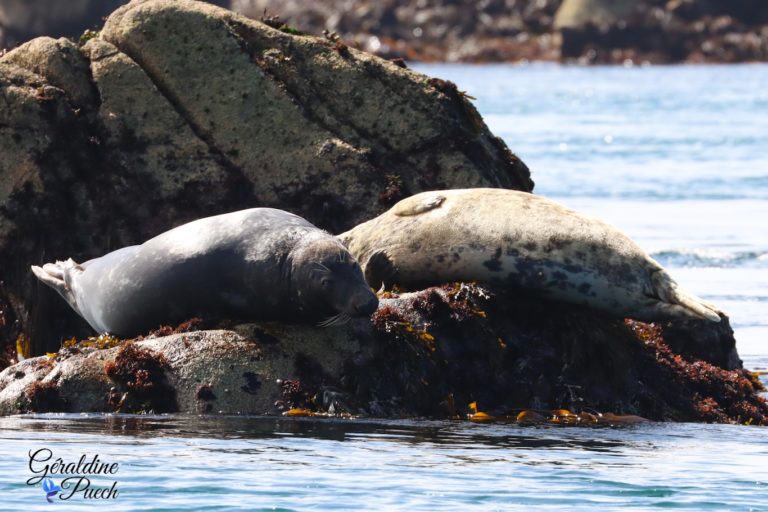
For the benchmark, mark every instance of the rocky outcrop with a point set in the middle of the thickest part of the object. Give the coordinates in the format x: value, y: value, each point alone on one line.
x: 441, y: 30
x: 599, y: 31
x: 584, y: 31
x: 429, y: 353
x: 179, y: 109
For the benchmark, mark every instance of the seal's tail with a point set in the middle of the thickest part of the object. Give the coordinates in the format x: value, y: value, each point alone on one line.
x: 58, y: 276
x: 668, y: 291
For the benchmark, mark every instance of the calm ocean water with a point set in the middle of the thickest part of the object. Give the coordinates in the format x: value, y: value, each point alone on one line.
x: 677, y: 157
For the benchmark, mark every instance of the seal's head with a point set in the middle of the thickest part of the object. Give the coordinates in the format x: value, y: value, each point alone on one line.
x: 329, y: 282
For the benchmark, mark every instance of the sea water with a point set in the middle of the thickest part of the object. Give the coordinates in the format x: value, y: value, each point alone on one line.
x: 675, y: 156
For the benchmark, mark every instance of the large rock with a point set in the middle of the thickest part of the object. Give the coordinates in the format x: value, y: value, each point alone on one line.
x: 180, y: 109
x: 61, y: 64
x: 438, y: 30
x: 592, y: 31
x: 598, y: 31
x: 202, y: 371
x: 428, y: 353
x: 472, y: 31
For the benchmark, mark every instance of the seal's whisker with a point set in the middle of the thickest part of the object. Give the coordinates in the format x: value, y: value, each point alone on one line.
x: 322, y: 267
x: 342, y: 319
x: 339, y: 319
x: 328, y: 322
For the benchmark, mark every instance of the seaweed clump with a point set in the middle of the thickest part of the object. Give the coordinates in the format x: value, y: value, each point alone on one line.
x: 277, y: 23
x: 448, y: 88
x: 430, y: 345
x: 312, y: 392
x: 205, y: 396
x: 193, y: 324
x: 394, y: 191
x: 463, y: 343
x: 87, y: 36
x: 713, y: 393
x: 295, y: 395
x: 44, y: 397
x: 140, y: 376
x: 562, y: 417
x: 100, y: 342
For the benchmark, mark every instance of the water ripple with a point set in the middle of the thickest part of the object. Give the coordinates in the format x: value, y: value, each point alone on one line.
x: 353, y: 465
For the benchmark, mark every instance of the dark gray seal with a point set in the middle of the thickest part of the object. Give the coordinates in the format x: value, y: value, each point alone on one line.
x: 256, y: 264
x: 520, y: 240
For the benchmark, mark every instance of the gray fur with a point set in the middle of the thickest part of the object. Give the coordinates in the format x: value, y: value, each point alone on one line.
x: 256, y: 264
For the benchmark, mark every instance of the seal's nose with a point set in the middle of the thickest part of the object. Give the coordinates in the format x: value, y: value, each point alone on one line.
x: 367, y: 307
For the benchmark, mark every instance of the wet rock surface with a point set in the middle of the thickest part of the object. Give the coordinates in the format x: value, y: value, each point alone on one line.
x: 428, y: 353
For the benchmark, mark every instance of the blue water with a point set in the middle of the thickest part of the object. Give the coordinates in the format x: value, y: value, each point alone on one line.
x: 267, y: 464
x: 678, y: 158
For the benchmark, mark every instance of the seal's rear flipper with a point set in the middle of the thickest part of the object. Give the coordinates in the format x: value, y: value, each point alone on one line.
x: 379, y: 270
x: 51, y: 275
x: 53, y: 269
x: 57, y: 276
x: 695, y: 305
x: 668, y: 291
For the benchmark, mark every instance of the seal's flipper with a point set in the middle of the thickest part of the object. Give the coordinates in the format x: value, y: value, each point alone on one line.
x: 379, y: 270
x: 58, y: 276
x: 52, y: 269
x: 668, y: 291
x: 51, y: 275
x: 418, y: 204
x: 696, y: 305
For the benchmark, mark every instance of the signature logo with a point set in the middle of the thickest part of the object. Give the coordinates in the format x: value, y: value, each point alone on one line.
x: 50, y: 489
x: 76, y: 476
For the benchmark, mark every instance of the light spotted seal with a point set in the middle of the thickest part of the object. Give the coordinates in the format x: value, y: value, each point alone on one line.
x: 521, y: 240
x: 256, y: 264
